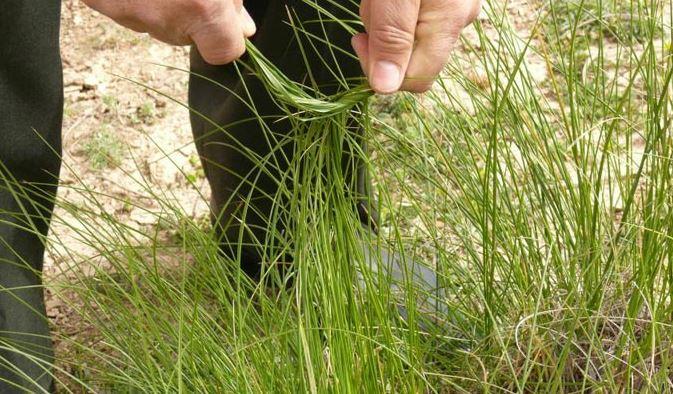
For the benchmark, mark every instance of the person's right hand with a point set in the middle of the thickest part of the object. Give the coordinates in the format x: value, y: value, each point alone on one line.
x: 218, y: 28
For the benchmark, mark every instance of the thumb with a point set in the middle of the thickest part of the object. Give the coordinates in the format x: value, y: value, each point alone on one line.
x: 391, y: 32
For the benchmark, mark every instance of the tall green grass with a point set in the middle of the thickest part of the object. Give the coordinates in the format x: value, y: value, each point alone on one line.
x: 536, y: 179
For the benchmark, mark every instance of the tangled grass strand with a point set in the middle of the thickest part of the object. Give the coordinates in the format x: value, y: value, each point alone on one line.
x: 304, y: 99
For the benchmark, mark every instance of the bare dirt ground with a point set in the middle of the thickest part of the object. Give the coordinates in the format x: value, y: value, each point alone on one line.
x: 104, y: 68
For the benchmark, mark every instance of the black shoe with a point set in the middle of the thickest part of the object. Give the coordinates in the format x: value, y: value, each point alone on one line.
x: 405, y: 275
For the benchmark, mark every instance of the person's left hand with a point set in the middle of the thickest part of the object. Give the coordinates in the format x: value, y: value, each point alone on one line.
x: 407, y: 42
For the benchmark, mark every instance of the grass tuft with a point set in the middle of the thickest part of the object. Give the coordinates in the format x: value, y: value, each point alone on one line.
x: 535, y: 180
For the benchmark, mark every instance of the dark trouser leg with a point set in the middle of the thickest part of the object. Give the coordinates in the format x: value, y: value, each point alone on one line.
x: 229, y: 171
x: 31, y: 102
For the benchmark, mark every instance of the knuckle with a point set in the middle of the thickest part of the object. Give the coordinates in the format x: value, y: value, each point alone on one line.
x: 392, y: 39
x: 202, y: 9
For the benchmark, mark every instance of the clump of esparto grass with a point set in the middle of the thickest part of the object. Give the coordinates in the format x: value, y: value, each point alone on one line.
x: 544, y: 204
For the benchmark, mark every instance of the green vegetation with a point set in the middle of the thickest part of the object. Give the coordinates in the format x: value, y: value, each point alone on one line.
x: 111, y: 103
x: 146, y: 114
x: 103, y: 149
x: 625, y: 20
x: 543, y: 202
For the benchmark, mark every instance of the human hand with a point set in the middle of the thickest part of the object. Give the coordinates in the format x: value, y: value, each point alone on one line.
x: 218, y: 28
x: 407, y: 42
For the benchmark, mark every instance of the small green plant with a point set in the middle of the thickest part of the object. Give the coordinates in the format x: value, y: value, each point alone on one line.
x: 146, y: 113
x: 111, y: 103
x: 103, y: 149
x: 196, y: 173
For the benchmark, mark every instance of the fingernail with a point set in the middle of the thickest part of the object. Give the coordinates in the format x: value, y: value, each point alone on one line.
x: 386, y: 77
